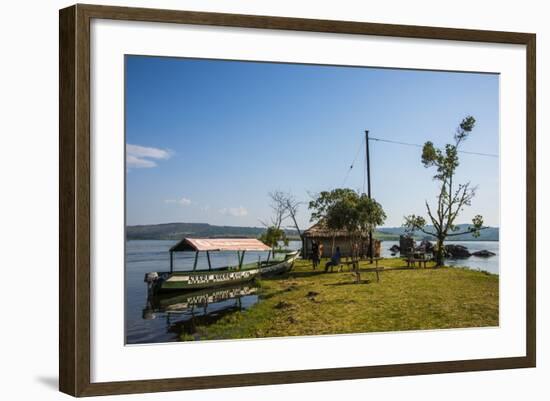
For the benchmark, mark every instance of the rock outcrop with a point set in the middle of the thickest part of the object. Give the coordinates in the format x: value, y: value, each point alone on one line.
x: 483, y: 254
x: 427, y: 246
x: 457, y: 251
x: 395, y: 248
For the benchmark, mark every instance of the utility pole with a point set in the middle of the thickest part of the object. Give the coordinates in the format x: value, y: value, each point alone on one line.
x: 371, y: 247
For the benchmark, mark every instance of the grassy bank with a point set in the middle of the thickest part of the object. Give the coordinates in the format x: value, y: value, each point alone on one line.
x: 305, y: 302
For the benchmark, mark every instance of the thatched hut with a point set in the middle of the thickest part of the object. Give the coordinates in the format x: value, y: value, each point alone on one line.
x: 331, y: 239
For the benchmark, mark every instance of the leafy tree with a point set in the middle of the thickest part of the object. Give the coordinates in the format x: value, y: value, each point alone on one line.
x: 323, y: 203
x: 325, y: 200
x: 273, y: 236
x: 345, y: 209
x: 452, y: 197
x: 356, y: 214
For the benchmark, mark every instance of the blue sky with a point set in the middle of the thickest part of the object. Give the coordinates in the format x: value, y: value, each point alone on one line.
x: 207, y: 140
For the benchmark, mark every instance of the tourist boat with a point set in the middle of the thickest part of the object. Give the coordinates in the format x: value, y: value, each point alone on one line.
x: 195, y: 279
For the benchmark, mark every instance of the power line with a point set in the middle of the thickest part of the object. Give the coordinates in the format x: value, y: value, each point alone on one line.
x: 353, y: 163
x: 420, y: 146
x: 416, y: 145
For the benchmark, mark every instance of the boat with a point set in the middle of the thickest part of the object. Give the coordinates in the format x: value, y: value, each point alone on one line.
x: 187, y: 280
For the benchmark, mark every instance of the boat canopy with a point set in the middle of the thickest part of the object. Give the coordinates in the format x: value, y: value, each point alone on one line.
x: 219, y: 244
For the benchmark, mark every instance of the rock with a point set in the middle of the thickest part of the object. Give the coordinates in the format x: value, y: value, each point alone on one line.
x: 457, y: 251
x: 427, y: 246
x: 395, y: 248
x: 483, y: 254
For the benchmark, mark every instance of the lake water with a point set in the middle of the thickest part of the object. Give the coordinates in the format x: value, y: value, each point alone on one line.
x: 164, y: 319
x: 490, y: 264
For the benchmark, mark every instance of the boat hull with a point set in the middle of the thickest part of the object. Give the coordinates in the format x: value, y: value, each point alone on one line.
x: 279, y: 268
x: 183, y: 281
x: 198, y: 280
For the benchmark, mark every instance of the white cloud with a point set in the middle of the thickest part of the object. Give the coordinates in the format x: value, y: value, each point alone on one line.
x: 135, y: 162
x: 234, y: 211
x: 182, y: 201
x: 140, y: 156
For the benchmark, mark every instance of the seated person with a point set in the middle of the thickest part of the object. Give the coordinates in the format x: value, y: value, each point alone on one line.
x: 334, y: 260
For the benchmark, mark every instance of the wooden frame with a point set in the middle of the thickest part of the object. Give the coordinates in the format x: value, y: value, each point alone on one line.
x: 74, y: 200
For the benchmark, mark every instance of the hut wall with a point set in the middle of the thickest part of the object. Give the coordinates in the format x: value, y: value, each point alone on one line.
x: 342, y: 242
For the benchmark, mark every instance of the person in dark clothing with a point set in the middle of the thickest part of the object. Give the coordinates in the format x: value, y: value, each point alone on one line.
x: 334, y: 260
x: 315, y: 254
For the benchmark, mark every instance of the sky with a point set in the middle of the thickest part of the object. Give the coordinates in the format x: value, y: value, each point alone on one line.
x: 207, y: 140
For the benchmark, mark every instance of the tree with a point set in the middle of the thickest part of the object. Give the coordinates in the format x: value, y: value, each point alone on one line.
x: 452, y: 197
x: 356, y: 214
x: 291, y: 205
x: 278, y: 207
x: 323, y: 203
x: 283, y: 205
x: 345, y: 209
x: 273, y: 236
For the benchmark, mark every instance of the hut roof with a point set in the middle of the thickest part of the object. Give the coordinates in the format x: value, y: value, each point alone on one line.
x: 320, y: 230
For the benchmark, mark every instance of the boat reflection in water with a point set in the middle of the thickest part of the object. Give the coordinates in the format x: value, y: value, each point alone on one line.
x: 185, y: 312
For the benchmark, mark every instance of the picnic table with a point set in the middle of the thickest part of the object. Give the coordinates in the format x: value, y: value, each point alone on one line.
x: 417, y: 257
x: 377, y: 269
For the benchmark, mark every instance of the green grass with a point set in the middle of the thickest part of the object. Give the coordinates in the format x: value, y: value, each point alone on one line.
x: 307, y: 302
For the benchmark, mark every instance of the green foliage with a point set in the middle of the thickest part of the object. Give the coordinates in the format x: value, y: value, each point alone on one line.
x: 356, y: 214
x: 273, y: 236
x: 345, y: 209
x: 467, y: 125
x: 326, y: 200
x: 477, y: 225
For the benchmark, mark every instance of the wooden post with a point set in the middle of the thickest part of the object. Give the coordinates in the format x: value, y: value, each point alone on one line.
x: 371, y: 247
x: 241, y: 260
x: 208, y: 257
x: 196, y: 260
x: 171, y: 262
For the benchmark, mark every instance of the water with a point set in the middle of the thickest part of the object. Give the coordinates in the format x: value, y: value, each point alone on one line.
x: 163, y: 319
x: 490, y: 264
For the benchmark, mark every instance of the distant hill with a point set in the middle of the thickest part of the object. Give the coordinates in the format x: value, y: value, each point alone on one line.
x: 488, y: 234
x: 175, y: 231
